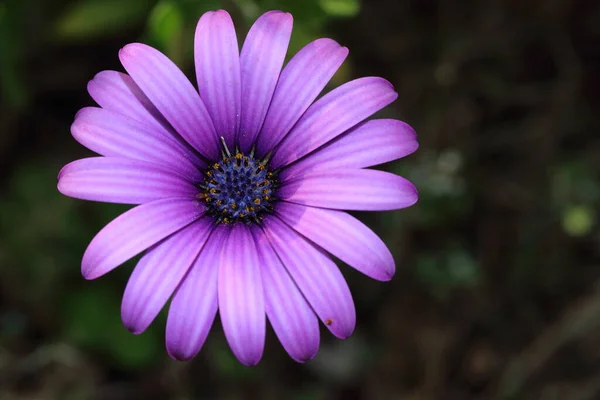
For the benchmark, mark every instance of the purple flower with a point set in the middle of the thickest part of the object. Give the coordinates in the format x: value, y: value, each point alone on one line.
x: 239, y: 186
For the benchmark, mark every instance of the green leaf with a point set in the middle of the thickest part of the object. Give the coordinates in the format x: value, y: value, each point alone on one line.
x: 96, y: 18
x: 89, y: 315
x: 134, y: 351
x: 12, y: 88
x: 92, y: 320
x: 228, y: 365
x: 453, y: 268
x: 165, y: 27
x: 340, y: 8
x: 193, y: 9
x: 578, y: 220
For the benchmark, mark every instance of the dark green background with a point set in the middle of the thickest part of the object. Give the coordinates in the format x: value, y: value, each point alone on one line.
x: 497, y: 291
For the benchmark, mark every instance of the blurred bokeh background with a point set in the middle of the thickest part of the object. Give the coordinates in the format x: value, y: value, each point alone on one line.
x: 497, y: 292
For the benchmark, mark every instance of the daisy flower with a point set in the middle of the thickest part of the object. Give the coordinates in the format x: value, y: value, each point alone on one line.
x: 239, y: 186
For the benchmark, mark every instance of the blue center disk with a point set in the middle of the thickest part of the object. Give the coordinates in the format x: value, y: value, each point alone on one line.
x: 238, y: 188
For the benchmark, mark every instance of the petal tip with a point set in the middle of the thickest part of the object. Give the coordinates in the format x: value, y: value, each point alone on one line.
x: 177, y: 349
x: 410, y: 193
x: 179, y: 356
x: 387, y: 276
x: 88, y: 274
x: 75, y: 125
x: 341, y: 329
x: 343, y: 334
x: 342, y: 53
x: 222, y: 13
x: 92, y: 83
x: 59, y: 184
x: 388, y: 83
x: 251, y: 361
x: 248, y: 355
x: 303, y: 358
x: 412, y: 149
x: 323, y: 42
x: 129, y: 317
x: 286, y: 17
x: 389, y: 267
x: 104, y: 74
x: 133, y: 328
x: 78, y: 114
x: 129, y: 51
x: 415, y: 195
x: 124, y: 54
x: 89, y: 270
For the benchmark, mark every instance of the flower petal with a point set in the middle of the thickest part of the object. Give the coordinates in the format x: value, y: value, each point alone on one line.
x: 113, y: 134
x: 159, y: 272
x: 116, y: 91
x: 301, y: 81
x: 343, y: 236
x: 122, y: 180
x: 218, y: 71
x: 370, y: 143
x: 135, y: 231
x: 294, y: 322
x: 319, y: 279
x: 241, y: 296
x: 333, y: 114
x: 194, y: 304
x: 360, y: 189
x: 172, y: 94
x: 261, y: 60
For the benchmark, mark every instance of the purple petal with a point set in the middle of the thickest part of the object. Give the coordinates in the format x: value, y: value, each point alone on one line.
x: 218, y: 71
x: 135, y: 231
x: 301, y: 81
x: 172, y: 94
x: 319, y: 279
x: 343, y: 236
x: 360, y: 189
x: 333, y: 114
x: 294, y: 322
x: 370, y: 143
x: 113, y: 134
x: 261, y: 60
x: 116, y: 91
x: 194, y: 304
x: 241, y: 296
x: 158, y: 274
x: 122, y: 180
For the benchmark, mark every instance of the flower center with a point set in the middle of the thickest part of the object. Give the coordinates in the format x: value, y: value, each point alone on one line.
x: 238, y: 188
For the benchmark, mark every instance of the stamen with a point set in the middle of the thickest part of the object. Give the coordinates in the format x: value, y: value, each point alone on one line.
x: 267, y: 158
x: 225, y: 148
x: 238, y: 188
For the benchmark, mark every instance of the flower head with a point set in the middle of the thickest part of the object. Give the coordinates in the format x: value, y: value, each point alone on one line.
x: 239, y: 186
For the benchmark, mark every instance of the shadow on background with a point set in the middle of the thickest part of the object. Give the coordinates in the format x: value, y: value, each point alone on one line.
x: 497, y: 293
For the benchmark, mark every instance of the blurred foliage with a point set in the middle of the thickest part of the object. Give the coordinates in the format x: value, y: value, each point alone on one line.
x: 165, y: 28
x: 91, y: 319
x: 578, y: 220
x: 448, y: 271
x: 496, y: 294
x: 92, y: 18
x: 341, y: 8
x: 11, y: 11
